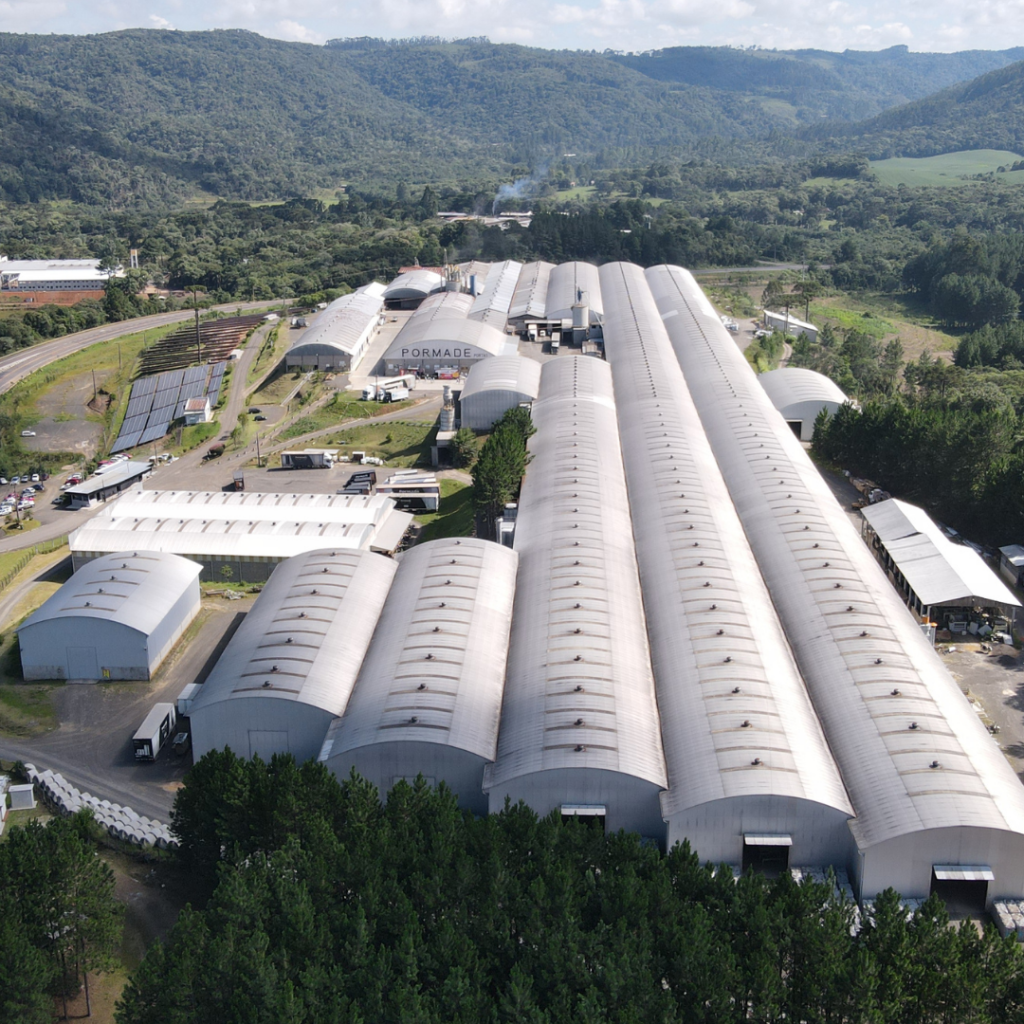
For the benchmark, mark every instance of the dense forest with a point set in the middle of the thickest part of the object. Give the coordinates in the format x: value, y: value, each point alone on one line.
x: 328, y: 906
x: 147, y: 118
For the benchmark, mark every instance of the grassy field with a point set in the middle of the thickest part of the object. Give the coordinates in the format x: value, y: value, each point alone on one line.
x: 337, y: 411
x: 455, y: 516
x: 884, y: 317
x: 277, y: 387
x: 272, y: 350
x: 947, y: 169
x: 400, y: 444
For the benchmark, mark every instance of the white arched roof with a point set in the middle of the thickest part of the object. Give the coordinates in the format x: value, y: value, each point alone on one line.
x: 530, y: 298
x: 441, y: 305
x: 307, y: 634
x: 565, y: 283
x: 136, y: 590
x: 579, y: 692
x: 735, y: 717
x: 491, y: 305
x: 435, y: 670
x: 870, y: 670
x: 445, y: 332
x: 414, y: 284
x: 342, y: 326
x: 504, y: 373
x: 791, y: 385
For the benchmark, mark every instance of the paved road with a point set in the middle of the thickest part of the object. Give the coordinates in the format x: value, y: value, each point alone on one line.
x: 20, y: 364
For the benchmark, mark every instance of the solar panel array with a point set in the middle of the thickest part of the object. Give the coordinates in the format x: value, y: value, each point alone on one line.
x: 155, y: 401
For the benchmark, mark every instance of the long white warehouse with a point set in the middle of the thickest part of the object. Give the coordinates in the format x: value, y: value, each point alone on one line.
x: 579, y: 725
x: 428, y: 698
x: 288, y: 671
x: 340, y: 335
x: 751, y: 778
x: 938, y: 807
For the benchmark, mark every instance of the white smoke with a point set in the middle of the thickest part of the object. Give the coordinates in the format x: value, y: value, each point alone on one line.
x: 519, y: 188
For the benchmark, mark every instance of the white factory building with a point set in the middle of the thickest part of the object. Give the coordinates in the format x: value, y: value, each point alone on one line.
x: 289, y: 669
x: 53, y: 275
x: 574, y: 292
x: 496, y: 385
x: 408, y: 290
x: 340, y: 335
x: 236, y: 535
x: 800, y: 395
x: 530, y: 299
x: 428, y: 698
x: 117, y: 618
x: 580, y: 732
x: 492, y: 304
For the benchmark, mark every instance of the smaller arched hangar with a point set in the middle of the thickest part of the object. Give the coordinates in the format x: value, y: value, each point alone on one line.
x: 800, y: 395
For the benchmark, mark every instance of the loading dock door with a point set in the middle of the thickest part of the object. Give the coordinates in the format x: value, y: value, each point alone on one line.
x: 766, y: 854
x: 82, y: 663
x: 962, y: 887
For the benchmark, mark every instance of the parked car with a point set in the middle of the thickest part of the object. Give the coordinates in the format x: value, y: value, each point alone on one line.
x: 35, y: 478
x: 28, y: 433
x: 24, y: 506
x: 38, y: 488
x: 3, y: 481
x: 15, y: 479
x: 253, y: 410
x: 259, y: 419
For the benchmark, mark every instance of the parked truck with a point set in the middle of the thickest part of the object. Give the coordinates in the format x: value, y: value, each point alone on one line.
x: 154, y: 732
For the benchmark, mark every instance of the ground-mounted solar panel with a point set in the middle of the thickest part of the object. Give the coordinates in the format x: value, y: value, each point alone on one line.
x: 213, y: 396
x: 134, y: 423
x: 144, y: 386
x: 161, y: 419
x: 194, y: 374
x: 169, y: 379
x: 126, y: 441
x: 195, y: 389
x: 218, y: 370
x: 153, y: 433
x: 139, y: 406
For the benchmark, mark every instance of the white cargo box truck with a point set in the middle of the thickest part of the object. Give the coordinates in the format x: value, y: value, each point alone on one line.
x: 154, y: 732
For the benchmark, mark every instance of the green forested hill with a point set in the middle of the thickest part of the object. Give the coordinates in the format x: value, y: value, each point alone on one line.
x: 148, y: 117
x: 986, y: 113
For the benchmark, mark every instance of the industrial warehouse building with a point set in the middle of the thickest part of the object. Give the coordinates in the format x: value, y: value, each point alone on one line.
x: 492, y: 304
x: 789, y: 325
x: 408, y: 290
x: 943, y: 583
x: 117, y: 618
x: 530, y: 299
x: 496, y: 385
x: 239, y: 536
x: 800, y: 395
x: 63, y: 282
x: 428, y: 698
x: 340, y: 335
x: 288, y: 671
x: 700, y: 647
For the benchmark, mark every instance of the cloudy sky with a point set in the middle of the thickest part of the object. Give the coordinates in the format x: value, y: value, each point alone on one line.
x: 576, y: 24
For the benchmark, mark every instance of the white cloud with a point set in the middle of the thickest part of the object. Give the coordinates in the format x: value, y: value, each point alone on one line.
x: 295, y: 33
x: 159, y: 22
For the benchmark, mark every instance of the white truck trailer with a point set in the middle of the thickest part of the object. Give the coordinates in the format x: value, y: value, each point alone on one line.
x: 154, y: 732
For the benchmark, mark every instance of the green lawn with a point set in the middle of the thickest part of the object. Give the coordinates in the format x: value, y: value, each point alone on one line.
x: 337, y: 411
x: 947, y: 169
x: 400, y: 444
x: 455, y: 516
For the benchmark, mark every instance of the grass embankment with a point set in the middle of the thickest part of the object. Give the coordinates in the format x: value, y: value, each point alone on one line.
x: 337, y: 410
x: 277, y: 387
x: 948, y: 169
x: 113, y: 363
x: 272, y: 350
x: 400, y: 444
x: 192, y: 437
x: 455, y: 516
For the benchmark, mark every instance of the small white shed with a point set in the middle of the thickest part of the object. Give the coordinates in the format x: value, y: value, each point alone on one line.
x: 800, y: 395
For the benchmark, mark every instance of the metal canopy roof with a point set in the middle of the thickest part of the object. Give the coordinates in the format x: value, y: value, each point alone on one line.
x: 122, y: 474
x: 870, y: 670
x: 735, y: 716
x: 133, y: 590
x: 441, y: 305
x: 963, y: 873
x: 938, y: 571
x: 307, y: 633
x: 531, y: 295
x: 492, y: 304
x: 565, y: 283
x: 579, y: 692
x: 792, y: 384
x: 504, y: 373
x: 435, y: 670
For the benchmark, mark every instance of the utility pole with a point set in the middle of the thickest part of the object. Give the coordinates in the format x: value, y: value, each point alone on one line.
x: 94, y: 385
x: 259, y: 462
x: 199, y: 346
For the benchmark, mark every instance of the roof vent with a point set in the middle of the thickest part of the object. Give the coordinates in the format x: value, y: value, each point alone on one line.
x: 430, y: 657
x: 458, y: 542
x: 266, y: 684
x: 745, y: 724
x: 577, y: 630
x: 735, y: 689
x: 696, y: 544
x: 302, y: 615
x: 422, y: 686
x: 273, y: 668
x: 913, y: 725
x: 707, y: 583
x: 447, y: 582
x: 815, y: 544
x: 442, y: 604
x: 756, y: 761
x: 701, y: 562
x: 579, y: 657
x: 413, y: 720
x: 721, y: 632
x: 894, y: 693
x: 325, y: 569
x: 579, y: 721
x: 577, y: 606
x: 849, y: 607
x: 728, y: 658
x: 577, y: 562
x: 437, y: 629
x: 577, y: 583
x: 288, y: 640
x: 452, y: 562
x: 87, y: 604
x: 714, y: 607
x: 878, y: 661
x: 578, y: 688
x: 113, y: 579
x: 313, y: 591
x: 101, y: 590
x: 935, y: 764
x: 838, y: 586
x: 864, y: 632
x: 580, y: 748
x: 124, y: 565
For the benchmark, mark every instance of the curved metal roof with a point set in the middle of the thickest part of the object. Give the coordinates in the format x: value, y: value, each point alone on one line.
x: 441, y: 305
x: 565, y: 283
x: 579, y: 691
x: 447, y: 331
x: 870, y: 670
x: 307, y: 633
x: 735, y: 716
x: 414, y: 284
x: 133, y: 590
x: 939, y: 571
x: 530, y: 299
x: 435, y: 670
x: 343, y: 325
x: 504, y: 373
x: 491, y: 305
x: 792, y: 384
